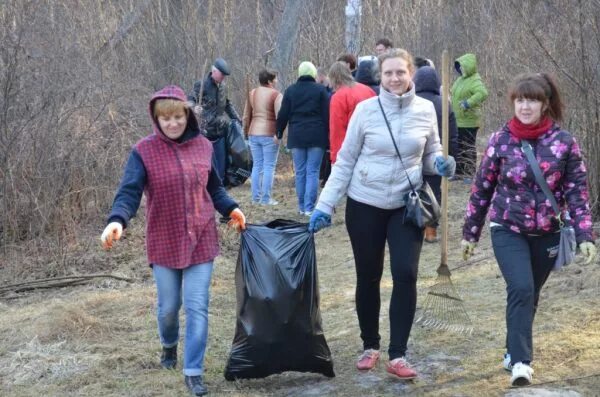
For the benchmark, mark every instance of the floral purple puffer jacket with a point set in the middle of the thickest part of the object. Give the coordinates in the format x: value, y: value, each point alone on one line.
x: 506, y: 185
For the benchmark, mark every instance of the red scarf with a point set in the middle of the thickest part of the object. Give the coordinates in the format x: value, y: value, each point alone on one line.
x: 529, y: 131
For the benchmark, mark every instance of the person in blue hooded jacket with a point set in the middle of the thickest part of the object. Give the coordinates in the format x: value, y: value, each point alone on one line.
x: 427, y: 85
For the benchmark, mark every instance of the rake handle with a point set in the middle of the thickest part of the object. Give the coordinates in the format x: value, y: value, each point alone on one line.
x: 445, y: 128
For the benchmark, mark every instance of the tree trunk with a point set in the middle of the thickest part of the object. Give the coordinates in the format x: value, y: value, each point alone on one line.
x: 286, y: 39
x: 353, y: 13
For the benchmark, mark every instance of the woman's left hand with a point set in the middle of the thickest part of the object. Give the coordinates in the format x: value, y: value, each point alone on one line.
x: 588, y: 250
x: 238, y: 220
x: 445, y: 166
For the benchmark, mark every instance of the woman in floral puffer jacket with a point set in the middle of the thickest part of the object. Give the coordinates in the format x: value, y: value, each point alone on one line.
x: 524, y: 227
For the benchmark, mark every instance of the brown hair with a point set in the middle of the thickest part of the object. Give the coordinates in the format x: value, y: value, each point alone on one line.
x: 385, y: 42
x: 340, y: 75
x: 397, y: 53
x: 538, y: 86
x: 168, y: 106
x: 266, y: 75
x: 350, y: 59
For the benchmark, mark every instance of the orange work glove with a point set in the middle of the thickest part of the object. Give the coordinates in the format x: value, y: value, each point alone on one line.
x: 238, y: 220
x: 112, y: 231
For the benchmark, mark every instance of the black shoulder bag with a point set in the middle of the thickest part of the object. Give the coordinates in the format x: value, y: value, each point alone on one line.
x: 568, y: 245
x: 422, y: 208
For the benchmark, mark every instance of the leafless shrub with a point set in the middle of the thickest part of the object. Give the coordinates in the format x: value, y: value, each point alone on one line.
x: 75, y: 78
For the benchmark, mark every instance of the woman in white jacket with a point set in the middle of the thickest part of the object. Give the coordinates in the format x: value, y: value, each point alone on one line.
x: 370, y: 172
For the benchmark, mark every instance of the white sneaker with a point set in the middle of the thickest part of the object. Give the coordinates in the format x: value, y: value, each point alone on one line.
x: 270, y: 202
x: 506, y: 362
x: 308, y: 213
x: 521, y: 374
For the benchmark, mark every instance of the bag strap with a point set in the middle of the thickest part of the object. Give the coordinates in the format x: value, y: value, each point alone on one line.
x: 539, y: 178
x: 412, y: 188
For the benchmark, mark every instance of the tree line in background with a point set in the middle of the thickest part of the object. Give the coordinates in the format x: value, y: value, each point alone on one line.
x: 76, y: 77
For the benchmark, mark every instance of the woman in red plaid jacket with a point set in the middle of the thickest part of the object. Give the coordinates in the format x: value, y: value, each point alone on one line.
x: 175, y: 167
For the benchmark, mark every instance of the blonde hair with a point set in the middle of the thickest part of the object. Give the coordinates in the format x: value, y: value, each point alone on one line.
x: 397, y: 53
x: 168, y: 107
x: 339, y: 75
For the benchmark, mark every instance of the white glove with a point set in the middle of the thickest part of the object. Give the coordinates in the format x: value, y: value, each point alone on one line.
x: 112, y: 232
x: 468, y: 249
x: 588, y: 250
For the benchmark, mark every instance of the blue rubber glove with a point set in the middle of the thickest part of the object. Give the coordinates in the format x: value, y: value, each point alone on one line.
x: 464, y: 104
x: 318, y: 221
x: 445, y: 167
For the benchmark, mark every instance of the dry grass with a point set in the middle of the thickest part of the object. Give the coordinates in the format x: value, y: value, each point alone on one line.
x: 100, y: 339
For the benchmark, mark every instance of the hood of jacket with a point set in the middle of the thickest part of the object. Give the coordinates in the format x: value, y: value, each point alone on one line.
x: 173, y: 92
x: 426, y: 79
x: 467, y: 63
x: 367, y: 73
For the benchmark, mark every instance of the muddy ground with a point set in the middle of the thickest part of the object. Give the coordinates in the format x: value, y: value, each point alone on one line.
x: 100, y: 339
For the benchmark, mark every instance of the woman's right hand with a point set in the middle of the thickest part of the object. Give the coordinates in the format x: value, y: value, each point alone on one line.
x: 112, y: 231
x: 468, y: 249
x: 318, y: 221
x: 275, y: 139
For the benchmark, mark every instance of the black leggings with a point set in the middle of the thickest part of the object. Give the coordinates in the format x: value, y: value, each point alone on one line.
x: 369, y: 227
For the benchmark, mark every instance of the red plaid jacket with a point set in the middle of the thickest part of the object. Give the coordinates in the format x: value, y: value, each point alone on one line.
x: 182, y: 192
x: 180, y: 221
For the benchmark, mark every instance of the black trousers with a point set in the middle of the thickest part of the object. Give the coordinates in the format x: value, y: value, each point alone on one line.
x: 525, y: 262
x: 369, y: 228
x: 466, y: 161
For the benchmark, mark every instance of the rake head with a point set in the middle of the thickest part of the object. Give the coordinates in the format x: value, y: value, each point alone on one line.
x: 443, y: 308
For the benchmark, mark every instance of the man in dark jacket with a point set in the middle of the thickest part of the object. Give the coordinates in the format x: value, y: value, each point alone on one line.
x: 427, y: 85
x: 217, y: 110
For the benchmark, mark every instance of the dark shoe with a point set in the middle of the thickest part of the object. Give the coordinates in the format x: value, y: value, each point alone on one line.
x: 430, y: 234
x: 168, y: 358
x: 195, y: 385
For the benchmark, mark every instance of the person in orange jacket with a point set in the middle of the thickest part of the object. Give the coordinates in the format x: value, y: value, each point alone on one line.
x: 348, y: 94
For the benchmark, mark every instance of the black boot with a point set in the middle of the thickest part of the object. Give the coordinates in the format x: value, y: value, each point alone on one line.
x: 195, y: 385
x: 168, y: 358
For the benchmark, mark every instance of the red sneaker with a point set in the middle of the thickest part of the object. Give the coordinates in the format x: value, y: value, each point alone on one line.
x: 367, y: 360
x: 399, y: 367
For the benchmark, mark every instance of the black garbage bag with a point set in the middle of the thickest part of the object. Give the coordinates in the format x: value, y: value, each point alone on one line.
x: 239, y: 157
x: 278, y: 317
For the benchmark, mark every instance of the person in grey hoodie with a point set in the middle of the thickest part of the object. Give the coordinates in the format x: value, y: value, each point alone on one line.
x: 367, y: 74
x: 374, y: 178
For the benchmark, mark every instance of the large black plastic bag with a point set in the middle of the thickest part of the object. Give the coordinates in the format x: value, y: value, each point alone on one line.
x: 278, y: 324
x: 239, y: 157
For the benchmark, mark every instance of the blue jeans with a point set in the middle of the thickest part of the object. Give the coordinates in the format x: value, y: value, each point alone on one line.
x: 220, y: 150
x: 307, y: 162
x: 264, y: 158
x: 195, y: 282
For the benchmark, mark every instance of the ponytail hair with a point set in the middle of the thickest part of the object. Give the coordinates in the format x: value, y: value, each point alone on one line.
x: 540, y: 86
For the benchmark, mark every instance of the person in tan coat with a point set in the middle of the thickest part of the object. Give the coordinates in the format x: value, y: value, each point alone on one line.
x: 260, y: 114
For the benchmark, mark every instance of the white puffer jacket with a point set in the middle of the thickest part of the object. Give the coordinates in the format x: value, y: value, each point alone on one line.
x: 368, y: 169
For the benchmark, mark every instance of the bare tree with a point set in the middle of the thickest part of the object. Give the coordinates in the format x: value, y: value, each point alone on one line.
x: 286, y: 38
